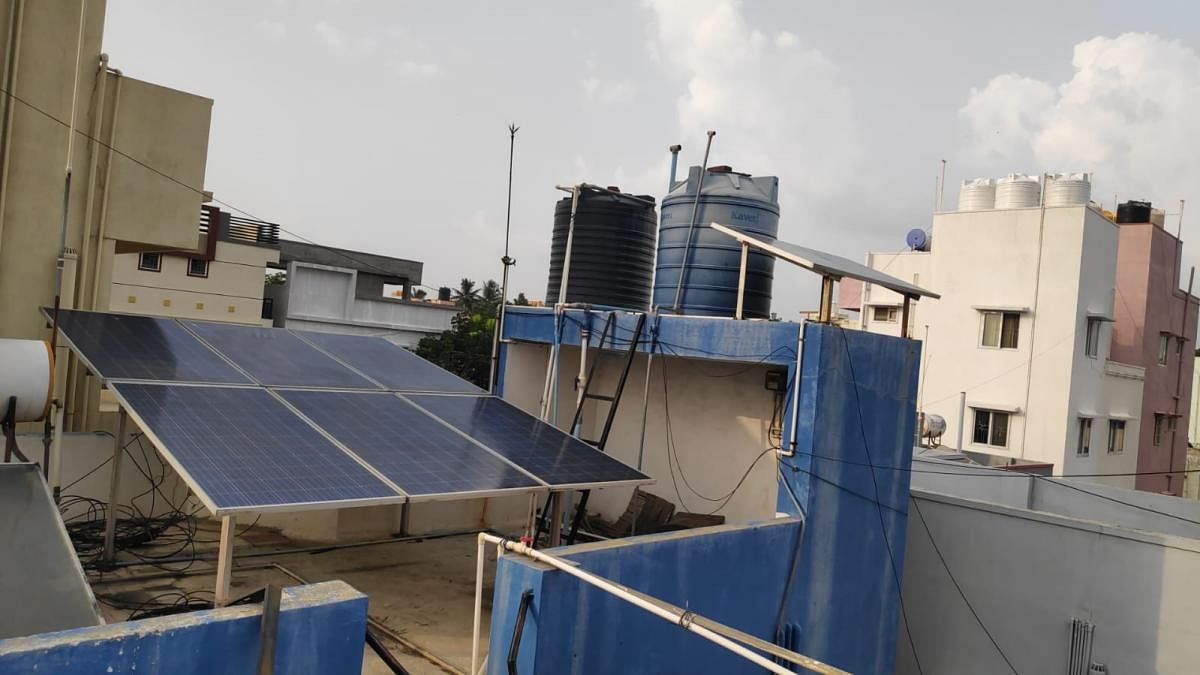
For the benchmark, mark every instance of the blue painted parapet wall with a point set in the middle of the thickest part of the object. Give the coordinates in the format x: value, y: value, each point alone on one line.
x: 856, y: 410
x: 321, y: 630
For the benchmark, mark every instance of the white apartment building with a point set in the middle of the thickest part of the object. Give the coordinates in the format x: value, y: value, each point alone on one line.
x: 1023, y: 327
x: 223, y: 281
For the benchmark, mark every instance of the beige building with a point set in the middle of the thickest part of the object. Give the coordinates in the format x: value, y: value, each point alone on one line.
x: 222, y: 282
x: 136, y: 155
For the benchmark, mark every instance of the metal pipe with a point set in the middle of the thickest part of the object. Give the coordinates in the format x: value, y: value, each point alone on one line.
x: 962, y: 411
x: 941, y: 186
x: 1187, y: 303
x: 646, y: 389
x: 687, y: 249
x: 685, y: 619
x: 796, y: 391
x: 674, y: 164
x: 1033, y: 315
x: 507, y: 262
x: 479, y: 556
x: 102, y: 227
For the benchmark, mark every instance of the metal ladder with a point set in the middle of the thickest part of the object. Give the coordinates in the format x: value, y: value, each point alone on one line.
x: 614, y: 401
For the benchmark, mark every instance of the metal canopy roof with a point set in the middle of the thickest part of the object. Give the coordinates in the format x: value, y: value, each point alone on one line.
x: 275, y: 432
x: 827, y: 264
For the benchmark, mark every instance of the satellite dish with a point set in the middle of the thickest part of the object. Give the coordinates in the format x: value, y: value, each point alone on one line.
x: 917, y: 240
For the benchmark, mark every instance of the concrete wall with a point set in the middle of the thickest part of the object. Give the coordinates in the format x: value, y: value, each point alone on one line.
x: 832, y: 593
x: 990, y: 260
x: 164, y: 128
x: 911, y: 266
x: 1027, y: 574
x: 325, y: 298
x: 232, y: 291
x: 321, y: 631
x: 1150, y: 304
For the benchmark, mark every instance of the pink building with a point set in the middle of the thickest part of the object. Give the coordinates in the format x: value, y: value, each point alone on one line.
x: 1155, y: 327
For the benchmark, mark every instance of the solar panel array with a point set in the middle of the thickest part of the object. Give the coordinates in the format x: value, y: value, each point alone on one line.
x: 266, y: 418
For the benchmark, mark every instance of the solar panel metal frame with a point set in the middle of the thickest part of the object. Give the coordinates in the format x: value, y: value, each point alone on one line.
x: 401, y: 497
x: 553, y: 487
x: 541, y: 488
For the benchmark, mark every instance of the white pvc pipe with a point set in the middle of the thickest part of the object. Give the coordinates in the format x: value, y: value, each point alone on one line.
x: 685, y: 620
x: 478, y: 605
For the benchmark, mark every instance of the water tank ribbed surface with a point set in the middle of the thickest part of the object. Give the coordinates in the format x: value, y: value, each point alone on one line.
x: 1068, y: 189
x: 977, y: 195
x: 1016, y: 191
x: 710, y: 277
x: 612, y: 253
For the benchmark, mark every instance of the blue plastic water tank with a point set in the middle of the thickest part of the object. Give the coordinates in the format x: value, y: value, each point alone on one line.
x: 710, y: 275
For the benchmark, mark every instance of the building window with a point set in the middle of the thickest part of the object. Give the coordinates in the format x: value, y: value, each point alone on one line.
x: 991, y: 428
x: 1092, y: 347
x: 1164, y: 345
x: 1084, y: 447
x: 1116, y: 436
x: 197, y: 267
x: 885, y: 314
x: 1158, y: 427
x: 268, y: 308
x: 1000, y: 329
x: 150, y: 262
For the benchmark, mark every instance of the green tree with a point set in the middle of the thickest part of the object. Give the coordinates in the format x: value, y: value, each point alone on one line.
x: 466, y: 349
x: 521, y: 300
x: 276, y: 279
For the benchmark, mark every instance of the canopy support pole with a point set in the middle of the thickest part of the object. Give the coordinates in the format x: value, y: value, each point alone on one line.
x: 825, y: 315
x: 742, y: 280
x: 114, y: 485
x: 224, y: 562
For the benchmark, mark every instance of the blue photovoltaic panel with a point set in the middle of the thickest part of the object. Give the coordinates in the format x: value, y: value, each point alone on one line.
x: 535, y: 446
x: 121, y: 346
x: 413, y: 450
x: 275, y: 357
x: 243, y: 448
x: 391, y: 365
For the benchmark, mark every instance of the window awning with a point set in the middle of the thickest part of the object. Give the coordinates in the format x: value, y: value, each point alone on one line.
x: 1020, y: 309
x: 999, y: 407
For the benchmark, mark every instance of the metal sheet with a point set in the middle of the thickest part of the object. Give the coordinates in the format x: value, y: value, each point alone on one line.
x: 392, y: 366
x: 275, y: 357
x: 42, y: 587
x: 560, y: 460
x: 414, y: 450
x: 242, y: 450
x: 827, y: 264
x: 123, y: 346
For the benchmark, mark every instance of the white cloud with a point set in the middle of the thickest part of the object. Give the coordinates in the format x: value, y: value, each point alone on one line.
x: 330, y: 35
x: 607, y: 92
x: 1127, y: 113
x: 417, y: 69
x: 272, y: 29
x: 777, y: 106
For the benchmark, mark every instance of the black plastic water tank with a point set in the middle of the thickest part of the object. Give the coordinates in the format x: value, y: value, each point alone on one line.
x: 612, y: 253
x: 1133, y: 212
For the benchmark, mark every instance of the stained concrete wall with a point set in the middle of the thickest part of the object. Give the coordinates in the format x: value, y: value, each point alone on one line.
x: 321, y: 631
x: 1027, y: 574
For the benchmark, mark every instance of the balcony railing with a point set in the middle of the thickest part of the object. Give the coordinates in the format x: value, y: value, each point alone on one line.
x: 238, y: 229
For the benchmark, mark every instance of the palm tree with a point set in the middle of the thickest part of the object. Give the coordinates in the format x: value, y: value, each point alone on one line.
x: 489, y: 298
x: 466, y: 295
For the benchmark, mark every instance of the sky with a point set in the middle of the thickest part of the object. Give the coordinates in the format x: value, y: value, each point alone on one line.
x: 382, y: 126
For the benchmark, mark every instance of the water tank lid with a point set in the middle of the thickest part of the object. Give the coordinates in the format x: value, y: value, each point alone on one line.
x: 725, y: 168
x: 740, y: 186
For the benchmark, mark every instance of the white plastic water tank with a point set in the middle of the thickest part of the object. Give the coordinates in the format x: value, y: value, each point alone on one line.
x: 1068, y: 189
x: 1017, y: 191
x: 977, y: 195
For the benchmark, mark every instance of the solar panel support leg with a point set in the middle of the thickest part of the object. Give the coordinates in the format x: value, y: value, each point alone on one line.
x: 224, y: 562
x: 825, y: 313
x: 114, y: 486
x: 556, y: 515
x: 742, y: 279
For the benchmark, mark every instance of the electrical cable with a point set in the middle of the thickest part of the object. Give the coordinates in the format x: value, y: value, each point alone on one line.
x: 879, y: 509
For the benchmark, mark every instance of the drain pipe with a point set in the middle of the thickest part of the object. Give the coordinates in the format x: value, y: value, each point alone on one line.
x: 646, y: 387
x: 685, y: 619
x: 687, y: 249
x: 13, y: 59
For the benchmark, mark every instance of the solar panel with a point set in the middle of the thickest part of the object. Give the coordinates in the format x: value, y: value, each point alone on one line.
x: 243, y: 449
x: 122, y: 346
x: 537, y: 447
x: 393, y: 366
x: 412, y: 449
x: 275, y: 357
